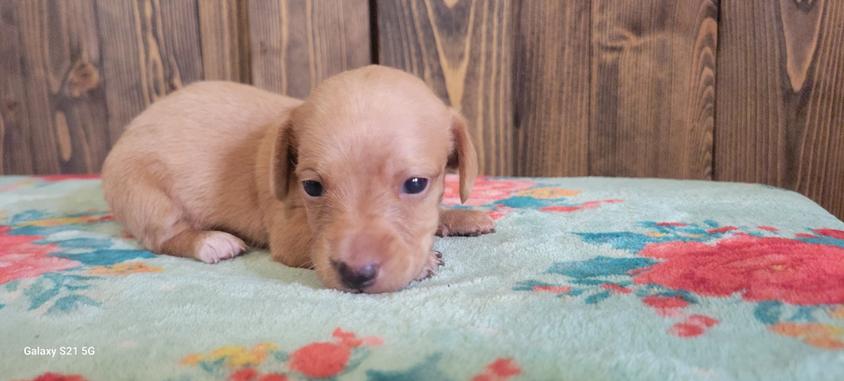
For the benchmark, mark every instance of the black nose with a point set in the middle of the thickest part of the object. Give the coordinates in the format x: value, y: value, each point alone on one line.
x: 356, y: 278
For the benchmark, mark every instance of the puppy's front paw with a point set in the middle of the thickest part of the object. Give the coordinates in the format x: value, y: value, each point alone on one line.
x: 215, y: 246
x: 457, y: 222
x: 435, y: 260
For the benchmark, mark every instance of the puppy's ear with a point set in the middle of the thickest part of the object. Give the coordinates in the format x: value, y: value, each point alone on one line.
x: 463, y: 157
x: 283, y: 160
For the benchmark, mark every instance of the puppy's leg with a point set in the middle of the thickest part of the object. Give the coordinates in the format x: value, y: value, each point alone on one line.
x: 291, y: 239
x: 461, y: 222
x: 161, y: 225
x: 209, y: 246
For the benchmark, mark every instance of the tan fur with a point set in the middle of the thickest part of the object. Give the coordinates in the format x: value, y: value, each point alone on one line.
x: 218, y: 163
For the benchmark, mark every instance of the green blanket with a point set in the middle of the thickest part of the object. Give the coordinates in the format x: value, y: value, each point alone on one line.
x: 585, y: 279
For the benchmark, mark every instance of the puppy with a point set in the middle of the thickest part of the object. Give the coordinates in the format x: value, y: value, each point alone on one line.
x: 347, y: 182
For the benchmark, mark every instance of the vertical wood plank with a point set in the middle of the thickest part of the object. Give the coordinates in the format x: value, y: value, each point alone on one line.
x: 653, y: 88
x: 60, y: 58
x: 781, y: 97
x: 150, y: 48
x: 219, y: 25
x: 552, y: 88
x: 294, y: 44
x: 14, y: 119
x: 463, y: 50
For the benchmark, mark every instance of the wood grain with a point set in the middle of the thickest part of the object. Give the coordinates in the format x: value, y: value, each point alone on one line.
x: 294, y: 44
x: 551, y: 88
x: 14, y: 118
x: 781, y: 97
x: 60, y: 62
x: 463, y: 50
x: 552, y: 85
x: 653, y: 88
x: 220, y: 23
x: 150, y: 48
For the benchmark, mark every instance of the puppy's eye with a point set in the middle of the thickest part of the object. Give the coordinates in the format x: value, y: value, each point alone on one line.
x: 415, y: 185
x: 312, y: 188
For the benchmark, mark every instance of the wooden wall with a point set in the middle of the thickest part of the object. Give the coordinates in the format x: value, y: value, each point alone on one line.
x: 737, y: 90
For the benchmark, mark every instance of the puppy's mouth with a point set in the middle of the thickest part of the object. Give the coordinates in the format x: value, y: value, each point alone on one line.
x: 362, y: 290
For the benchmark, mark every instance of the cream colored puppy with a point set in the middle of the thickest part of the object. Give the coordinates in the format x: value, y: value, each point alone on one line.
x: 348, y: 182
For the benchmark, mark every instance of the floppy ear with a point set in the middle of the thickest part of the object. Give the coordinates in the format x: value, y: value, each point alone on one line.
x: 283, y: 160
x: 463, y: 157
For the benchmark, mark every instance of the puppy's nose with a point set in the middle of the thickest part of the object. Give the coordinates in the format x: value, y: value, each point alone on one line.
x: 356, y: 277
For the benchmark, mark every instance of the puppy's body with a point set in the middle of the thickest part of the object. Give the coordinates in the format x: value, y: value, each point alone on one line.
x: 194, y: 168
x: 216, y: 161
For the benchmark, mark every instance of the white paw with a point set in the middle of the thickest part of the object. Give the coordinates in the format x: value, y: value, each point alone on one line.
x: 216, y: 246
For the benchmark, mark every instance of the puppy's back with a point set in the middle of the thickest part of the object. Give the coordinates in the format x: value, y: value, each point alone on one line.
x: 189, y: 158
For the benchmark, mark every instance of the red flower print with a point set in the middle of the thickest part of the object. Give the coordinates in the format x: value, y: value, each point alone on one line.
x: 702, y: 320
x: 21, y: 258
x: 665, y: 305
x: 695, y: 325
x: 485, y: 191
x: 837, y: 234
x: 323, y: 359
x: 347, y: 338
x: 722, y: 229
x: 759, y: 268
x: 575, y: 208
x: 665, y: 301
x: 499, y: 212
x: 245, y: 374
x: 320, y: 360
x: 273, y: 377
x: 616, y: 288
x: 49, y: 376
x: 768, y: 228
x: 686, y: 330
x: 250, y: 374
x: 502, y: 369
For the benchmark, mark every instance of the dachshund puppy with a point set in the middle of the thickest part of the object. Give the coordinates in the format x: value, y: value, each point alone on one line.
x: 348, y: 182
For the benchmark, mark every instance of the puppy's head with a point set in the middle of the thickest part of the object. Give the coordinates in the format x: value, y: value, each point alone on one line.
x: 366, y: 155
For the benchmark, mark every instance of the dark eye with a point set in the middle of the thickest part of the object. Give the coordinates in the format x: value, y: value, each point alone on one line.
x: 415, y: 185
x: 312, y: 188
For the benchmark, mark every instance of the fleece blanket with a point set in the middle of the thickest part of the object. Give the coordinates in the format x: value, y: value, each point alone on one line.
x: 584, y: 279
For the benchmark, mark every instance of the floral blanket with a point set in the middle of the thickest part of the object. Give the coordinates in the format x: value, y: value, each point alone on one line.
x: 585, y: 279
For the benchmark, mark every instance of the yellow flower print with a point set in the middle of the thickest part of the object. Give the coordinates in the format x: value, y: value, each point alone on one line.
x: 124, y: 269
x: 191, y: 359
x: 837, y: 311
x: 58, y: 221
x: 235, y: 356
x: 816, y: 334
x: 549, y: 193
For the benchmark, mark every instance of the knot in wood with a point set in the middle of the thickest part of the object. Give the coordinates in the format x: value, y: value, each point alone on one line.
x: 9, y: 105
x: 83, y: 77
